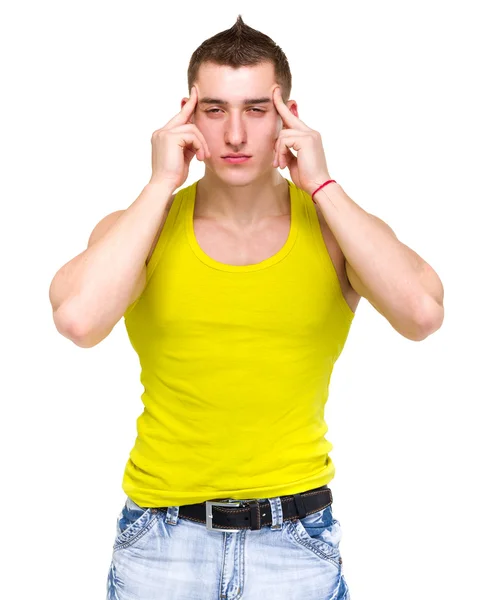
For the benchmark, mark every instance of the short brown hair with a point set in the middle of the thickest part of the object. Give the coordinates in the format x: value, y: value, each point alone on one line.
x: 242, y: 46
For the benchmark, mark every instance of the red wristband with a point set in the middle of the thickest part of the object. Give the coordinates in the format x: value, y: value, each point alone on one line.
x: 322, y: 185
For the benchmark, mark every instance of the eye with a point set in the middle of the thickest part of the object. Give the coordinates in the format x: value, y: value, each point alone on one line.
x: 212, y: 110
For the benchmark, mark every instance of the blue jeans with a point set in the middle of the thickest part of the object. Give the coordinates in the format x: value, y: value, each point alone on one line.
x: 158, y: 555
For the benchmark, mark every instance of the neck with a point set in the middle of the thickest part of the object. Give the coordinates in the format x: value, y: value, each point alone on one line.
x: 242, y: 205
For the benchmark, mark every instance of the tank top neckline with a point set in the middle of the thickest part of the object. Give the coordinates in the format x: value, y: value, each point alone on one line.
x: 190, y: 198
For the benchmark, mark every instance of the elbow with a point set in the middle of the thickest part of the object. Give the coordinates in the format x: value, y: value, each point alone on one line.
x: 74, y: 331
x: 88, y: 339
x: 430, y: 321
x: 432, y: 318
x: 430, y: 326
x: 421, y: 326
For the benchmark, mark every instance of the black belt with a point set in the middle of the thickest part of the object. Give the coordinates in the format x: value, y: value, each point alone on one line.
x: 235, y: 515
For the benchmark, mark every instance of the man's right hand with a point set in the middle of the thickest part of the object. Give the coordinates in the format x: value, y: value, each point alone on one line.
x: 175, y: 144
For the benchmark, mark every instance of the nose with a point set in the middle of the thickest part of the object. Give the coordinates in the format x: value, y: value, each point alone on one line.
x: 235, y: 132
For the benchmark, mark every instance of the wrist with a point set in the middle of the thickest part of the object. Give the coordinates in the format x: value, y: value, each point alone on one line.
x: 318, y: 183
x: 162, y: 185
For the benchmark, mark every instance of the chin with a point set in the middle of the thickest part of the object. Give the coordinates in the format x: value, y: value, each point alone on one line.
x: 242, y: 175
x: 241, y: 179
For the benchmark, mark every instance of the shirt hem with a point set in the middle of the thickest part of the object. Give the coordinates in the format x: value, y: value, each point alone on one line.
x: 149, y: 499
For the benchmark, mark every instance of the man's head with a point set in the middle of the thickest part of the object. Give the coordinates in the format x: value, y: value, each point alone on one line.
x: 235, y: 73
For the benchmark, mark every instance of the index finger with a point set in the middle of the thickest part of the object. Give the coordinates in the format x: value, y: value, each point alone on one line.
x: 185, y: 113
x: 286, y: 115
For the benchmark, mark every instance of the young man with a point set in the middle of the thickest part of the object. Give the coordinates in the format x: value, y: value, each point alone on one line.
x: 238, y: 294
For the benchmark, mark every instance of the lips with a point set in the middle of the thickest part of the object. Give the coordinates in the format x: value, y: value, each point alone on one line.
x: 236, y: 159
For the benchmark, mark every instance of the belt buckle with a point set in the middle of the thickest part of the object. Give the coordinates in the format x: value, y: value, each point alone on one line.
x: 226, y: 502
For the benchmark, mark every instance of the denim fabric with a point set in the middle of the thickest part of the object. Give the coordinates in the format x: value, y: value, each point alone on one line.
x: 158, y: 555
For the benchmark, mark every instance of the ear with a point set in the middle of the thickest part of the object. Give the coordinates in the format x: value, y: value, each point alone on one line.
x: 293, y: 107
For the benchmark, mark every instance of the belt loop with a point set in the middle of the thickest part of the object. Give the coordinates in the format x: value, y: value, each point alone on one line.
x: 172, y: 515
x: 276, y: 513
x: 298, y: 500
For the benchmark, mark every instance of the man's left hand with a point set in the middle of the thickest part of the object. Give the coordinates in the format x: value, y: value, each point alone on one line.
x: 308, y: 170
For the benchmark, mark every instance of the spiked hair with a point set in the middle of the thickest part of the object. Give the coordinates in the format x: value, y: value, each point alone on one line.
x: 242, y: 46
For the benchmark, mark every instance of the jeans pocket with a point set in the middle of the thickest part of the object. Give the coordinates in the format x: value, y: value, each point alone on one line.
x: 131, y: 523
x: 321, y: 533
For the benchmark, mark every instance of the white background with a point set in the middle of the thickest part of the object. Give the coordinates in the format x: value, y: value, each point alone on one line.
x: 392, y: 87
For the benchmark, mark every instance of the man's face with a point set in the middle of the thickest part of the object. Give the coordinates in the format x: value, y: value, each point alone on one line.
x: 236, y: 127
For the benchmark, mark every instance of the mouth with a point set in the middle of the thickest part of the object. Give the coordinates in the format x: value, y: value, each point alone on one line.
x: 236, y: 159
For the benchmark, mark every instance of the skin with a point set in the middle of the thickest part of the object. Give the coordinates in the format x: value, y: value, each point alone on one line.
x: 240, y: 194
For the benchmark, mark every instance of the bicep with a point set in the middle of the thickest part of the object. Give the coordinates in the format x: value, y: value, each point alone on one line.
x: 103, y: 226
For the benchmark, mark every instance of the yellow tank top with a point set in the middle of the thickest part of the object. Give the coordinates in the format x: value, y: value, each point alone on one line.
x: 235, y: 364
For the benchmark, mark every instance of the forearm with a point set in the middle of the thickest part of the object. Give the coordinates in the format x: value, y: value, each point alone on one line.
x: 394, y: 278
x: 95, y: 287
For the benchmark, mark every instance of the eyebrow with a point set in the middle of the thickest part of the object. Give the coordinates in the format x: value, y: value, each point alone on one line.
x: 208, y: 100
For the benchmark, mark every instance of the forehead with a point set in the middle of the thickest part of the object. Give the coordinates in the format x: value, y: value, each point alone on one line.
x: 235, y: 83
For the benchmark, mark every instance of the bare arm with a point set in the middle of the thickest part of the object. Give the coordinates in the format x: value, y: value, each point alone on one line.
x: 91, y: 292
